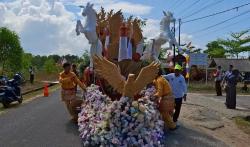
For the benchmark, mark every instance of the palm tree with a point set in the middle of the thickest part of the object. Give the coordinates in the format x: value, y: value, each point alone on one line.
x: 239, y: 42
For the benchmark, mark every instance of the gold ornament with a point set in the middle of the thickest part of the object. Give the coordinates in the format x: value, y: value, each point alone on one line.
x: 110, y: 72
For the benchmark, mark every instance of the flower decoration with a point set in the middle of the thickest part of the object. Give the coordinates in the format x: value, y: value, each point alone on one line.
x: 119, y: 123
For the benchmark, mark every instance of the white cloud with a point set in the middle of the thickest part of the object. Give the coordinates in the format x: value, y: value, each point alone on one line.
x: 185, y: 38
x: 130, y: 8
x: 127, y: 7
x: 41, y: 29
x: 152, y: 28
x: 47, y: 27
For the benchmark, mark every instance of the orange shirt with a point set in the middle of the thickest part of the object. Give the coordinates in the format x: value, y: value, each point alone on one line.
x: 69, y: 81
x: 162, y: 87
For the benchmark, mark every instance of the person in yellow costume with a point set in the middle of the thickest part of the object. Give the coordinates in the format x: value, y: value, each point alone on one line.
x: 165, y: 100
x: 68, y: 81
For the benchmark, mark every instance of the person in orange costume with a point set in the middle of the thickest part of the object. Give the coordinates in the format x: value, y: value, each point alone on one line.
x: 165, y: 100
x: 68, y: 81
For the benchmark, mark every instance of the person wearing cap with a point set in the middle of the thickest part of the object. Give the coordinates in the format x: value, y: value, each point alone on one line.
x: 179, y: 88
x: 164, y: 99
x: 68, y: 81
x: 218, y: 78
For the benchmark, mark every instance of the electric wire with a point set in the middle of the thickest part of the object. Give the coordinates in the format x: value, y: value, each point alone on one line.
x: 217, y: 13
x: 202, y: 9
x: 224, y: 21
x: 222, y: 28
x: 179, y: 4
x: 190, y: 6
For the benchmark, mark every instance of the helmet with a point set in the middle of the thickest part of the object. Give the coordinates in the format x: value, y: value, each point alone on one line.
x: 17, y: 77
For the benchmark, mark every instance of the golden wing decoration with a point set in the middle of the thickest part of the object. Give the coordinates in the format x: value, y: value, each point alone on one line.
x: 110, y: 72
x: 146, y: 76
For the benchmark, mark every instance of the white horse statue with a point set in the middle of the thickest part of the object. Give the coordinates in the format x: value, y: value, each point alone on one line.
x: 152, y: 51
x: 89, y: 30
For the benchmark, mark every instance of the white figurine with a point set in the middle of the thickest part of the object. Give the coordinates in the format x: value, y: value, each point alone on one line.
x: 89, y: 30
x: 166, y: 35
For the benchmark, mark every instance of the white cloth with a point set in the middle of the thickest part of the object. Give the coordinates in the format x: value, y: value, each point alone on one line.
x: 122, y: 49
x: 178, y: 85
x: 129, y: 50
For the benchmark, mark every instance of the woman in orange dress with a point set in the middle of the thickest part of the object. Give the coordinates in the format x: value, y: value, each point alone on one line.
x: 68, y: 81
x: 165, y: 100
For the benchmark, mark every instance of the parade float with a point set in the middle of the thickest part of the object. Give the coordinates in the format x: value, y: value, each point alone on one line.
x: 126, y: 115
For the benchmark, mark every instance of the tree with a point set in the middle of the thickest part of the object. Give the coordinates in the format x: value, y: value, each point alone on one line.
x: 163, y: 53
x: 85, y: 58
x: 56, y: 58
x: 10, y: 51
x: 72, y: 58
x: 85, y: 62
x: 39, y: 61
x: 27, y: 61
x: 238, y: 43
x: 215, y: 50
x: 50, y: 66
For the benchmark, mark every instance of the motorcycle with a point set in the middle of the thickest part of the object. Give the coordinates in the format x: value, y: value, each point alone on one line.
x: 10, y: 90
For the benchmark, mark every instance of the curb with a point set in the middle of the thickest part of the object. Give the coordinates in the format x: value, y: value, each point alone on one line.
x: 37, y: 89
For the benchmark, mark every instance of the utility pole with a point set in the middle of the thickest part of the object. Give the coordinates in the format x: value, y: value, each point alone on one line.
x: 174, y: 44
x: 179, y: 38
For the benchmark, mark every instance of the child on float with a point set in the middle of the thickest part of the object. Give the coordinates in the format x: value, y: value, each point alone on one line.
x: 68, y: 81
x: 165, y: 100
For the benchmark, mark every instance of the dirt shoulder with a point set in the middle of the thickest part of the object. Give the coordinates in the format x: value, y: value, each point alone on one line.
x: 210, y: 116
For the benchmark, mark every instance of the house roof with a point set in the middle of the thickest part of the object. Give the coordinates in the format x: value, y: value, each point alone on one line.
x: 242, y: 65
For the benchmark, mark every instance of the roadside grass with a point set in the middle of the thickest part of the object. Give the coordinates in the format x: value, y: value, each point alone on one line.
x: 243, y: 123
x: 29, y: 97
x: 202, y: 87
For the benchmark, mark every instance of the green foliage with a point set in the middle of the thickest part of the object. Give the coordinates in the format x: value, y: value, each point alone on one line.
x: 50, y: 66
x: 27, y: 60
x: 56, y: 58
x: 163, y: 53
x: 84, y: 63
x: 85, y: 58
x: 215, y: 50
x: 39, y: 61
x: 10, y: 51
x: 237, y: 43
x: 72, y: 59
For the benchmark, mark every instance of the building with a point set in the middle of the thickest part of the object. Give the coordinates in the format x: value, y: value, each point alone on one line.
x: 243, y: 65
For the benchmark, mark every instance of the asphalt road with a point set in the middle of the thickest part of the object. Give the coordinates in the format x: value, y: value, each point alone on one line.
x: 242, y: 101
x: 44, y: 122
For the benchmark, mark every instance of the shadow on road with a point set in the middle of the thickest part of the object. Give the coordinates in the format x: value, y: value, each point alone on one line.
x: 72, y: 128
x: 187, y: 137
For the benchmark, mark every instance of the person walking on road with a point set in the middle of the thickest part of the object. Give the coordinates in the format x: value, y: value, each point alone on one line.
x: 231, y: 89
x: 226, y: 75
x: 218, y: 78
x: 179, y: 87
x: 32, y: 74
x: 68, y: 81
x: 165, y: 100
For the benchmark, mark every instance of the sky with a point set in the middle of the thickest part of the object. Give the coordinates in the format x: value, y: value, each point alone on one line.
x: 48, y: 26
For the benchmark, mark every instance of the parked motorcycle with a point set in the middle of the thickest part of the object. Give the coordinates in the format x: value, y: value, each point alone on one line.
x: 10, y: 90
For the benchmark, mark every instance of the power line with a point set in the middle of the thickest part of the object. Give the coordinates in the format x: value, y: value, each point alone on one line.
x: 174, y: 4
x: 223, y: 28
x: 180, y: 2
x: 221, y: 22
x: 190, y: 6
x: 203, y: 8
x: 217, y: 13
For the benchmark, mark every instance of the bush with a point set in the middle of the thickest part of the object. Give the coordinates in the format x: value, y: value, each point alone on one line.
x: 50, y: 66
